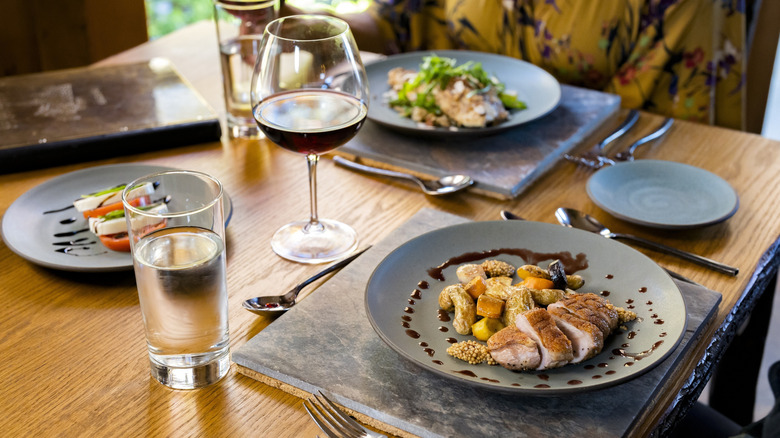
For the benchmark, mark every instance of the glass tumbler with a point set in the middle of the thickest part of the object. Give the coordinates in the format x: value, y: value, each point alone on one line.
x: 240, y: 25
x: 178, y: 248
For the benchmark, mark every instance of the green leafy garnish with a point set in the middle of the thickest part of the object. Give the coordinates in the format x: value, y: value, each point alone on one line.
x: 106, y: 191
x: 116, y: 214
x: 436, y: 71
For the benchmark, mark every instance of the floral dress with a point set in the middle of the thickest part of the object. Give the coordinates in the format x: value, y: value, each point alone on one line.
x: 682, y: 58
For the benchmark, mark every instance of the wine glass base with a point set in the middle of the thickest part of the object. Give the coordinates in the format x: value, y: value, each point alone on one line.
x: 333, y: 241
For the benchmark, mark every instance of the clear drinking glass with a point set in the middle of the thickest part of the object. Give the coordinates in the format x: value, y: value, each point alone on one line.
x: 178, y: 248
x: 310, y: 96
x: 240, y: 25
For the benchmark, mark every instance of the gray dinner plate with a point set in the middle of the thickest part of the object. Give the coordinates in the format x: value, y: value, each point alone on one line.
x: 538, y: 89
x: 31, y: 224
x: 405, y: 313
x: 663, y: 194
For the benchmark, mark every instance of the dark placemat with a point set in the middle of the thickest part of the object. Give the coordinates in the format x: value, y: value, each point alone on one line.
x: 327, y: 343
x: 88, y: 113
x: 503, y: 164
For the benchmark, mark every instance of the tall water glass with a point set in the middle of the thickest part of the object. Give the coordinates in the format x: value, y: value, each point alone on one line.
x: 179, y: 261
x: 240, y: 25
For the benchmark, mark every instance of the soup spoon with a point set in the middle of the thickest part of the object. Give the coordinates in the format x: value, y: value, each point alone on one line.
x: 573, y: 218
x: 282, y: 303
x: 442, y: 186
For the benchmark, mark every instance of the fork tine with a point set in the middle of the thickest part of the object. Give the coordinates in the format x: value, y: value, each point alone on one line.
x: 322, y: 423
x: 343, y: 419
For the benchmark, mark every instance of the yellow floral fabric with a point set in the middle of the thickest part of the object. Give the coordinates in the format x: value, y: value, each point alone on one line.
x: 682, y: 58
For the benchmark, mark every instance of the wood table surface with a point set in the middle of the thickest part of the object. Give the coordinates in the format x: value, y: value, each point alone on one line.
x: 73, y: 348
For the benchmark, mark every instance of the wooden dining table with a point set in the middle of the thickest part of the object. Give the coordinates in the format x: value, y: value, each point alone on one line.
x: 73, y: 346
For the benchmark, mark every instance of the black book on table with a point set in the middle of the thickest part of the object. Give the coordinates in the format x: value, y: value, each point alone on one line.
x: 89, y: 113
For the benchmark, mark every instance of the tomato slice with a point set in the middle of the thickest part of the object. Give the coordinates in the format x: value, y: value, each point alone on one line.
x: 116, y: 242
x: 104, y: 210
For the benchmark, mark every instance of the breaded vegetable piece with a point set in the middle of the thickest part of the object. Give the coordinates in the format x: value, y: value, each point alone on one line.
x: 545, y: 297
x: 520, y: 301
x: 499, y: 287
x: 498, y: 268
x: 455, y: 296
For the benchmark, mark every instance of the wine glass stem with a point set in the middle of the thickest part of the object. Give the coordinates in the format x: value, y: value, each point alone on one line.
x: 314, y: 222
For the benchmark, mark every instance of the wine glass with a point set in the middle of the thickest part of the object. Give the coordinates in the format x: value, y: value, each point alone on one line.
x: 310, y: 96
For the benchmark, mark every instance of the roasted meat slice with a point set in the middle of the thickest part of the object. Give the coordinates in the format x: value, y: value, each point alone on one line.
x: 554, y: 346
x: 463, y: 104
x: 591, y: 308
x: 587, y: 340
x: 514, y: 350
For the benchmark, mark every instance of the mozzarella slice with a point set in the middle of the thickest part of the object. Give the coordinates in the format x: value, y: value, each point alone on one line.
x: 102, y: 227
x: 93, y: 202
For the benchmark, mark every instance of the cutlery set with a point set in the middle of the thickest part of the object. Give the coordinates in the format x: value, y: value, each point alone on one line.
x: 597, y: 157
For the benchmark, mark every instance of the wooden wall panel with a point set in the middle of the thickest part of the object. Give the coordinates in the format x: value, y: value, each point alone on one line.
x: 38, y: 35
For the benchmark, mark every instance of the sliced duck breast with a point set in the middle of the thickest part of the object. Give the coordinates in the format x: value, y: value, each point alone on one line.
x: 591, y: 308
x: 514, y: 350
x: 587, y: 340
x: 554, y: 346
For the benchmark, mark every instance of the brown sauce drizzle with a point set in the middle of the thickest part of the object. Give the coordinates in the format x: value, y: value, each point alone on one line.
x: 71, y: 233
x: 609, y: 276
x: 438, y: 362
x: 413, y: 334
x: 443, y: 315
x: 452, y: 340
x: 466, y: 373
x: 429, y: 351
x: 637, y: 356
x: 60, y: 209
x: 408, y: 310
x: 542, y: 386
x: 570, y: 263
x: 444, y: 329
x: 423, y: 284
x: 574, y: 382
x: 416, y: 294
x: 642, y: 290
x: 406, y: 318
x: 67, y: 221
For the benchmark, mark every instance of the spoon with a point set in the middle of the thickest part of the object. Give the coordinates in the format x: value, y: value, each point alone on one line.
x: 442, y: 186
x: 282, y: 303
x: 509, y: 216
x: 573, y: 218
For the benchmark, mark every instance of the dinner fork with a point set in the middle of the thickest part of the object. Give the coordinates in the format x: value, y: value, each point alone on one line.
x: 596, y: 157
x: 333, y: 422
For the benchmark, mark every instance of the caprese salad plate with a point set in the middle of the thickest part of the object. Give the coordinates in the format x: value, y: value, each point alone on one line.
x: 44, y: 227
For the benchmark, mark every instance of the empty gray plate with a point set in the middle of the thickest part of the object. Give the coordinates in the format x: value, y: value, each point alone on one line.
x: 663, y: 194
x: 402, y: 303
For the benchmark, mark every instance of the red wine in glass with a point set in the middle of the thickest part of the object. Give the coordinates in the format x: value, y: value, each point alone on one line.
x: 310, y: 121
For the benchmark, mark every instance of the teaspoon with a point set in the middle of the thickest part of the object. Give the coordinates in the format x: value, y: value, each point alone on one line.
x: 573, y: 218
x: 442, y: 186
x: 282, y: 303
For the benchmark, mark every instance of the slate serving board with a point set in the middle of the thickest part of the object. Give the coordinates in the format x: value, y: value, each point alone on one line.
x: 326, y: 343
x: 502, y: 164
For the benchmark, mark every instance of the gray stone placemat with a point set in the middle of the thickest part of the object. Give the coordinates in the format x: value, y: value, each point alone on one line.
x: 327, y: 343
x: 503, y: 164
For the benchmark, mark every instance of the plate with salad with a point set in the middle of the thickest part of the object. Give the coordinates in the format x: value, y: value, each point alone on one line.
x: 74, y: 222
x: 454, y: 92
